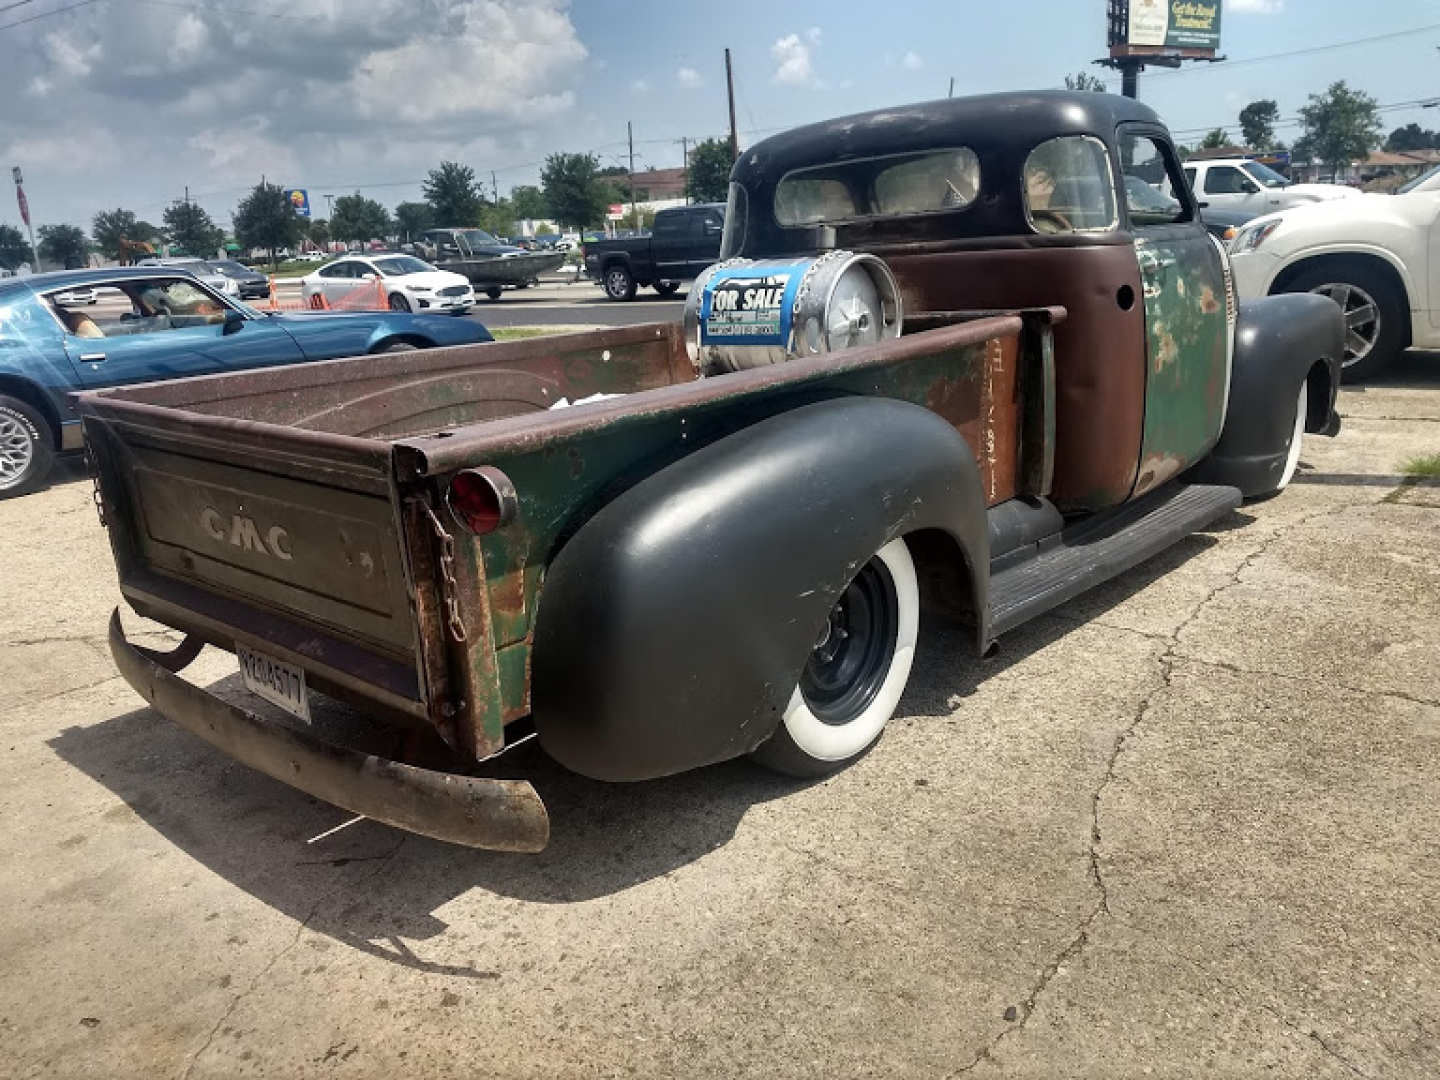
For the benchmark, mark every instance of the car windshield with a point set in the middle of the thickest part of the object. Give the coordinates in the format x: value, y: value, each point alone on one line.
x: 478, y: 238
x: 401, y: 265
x: 1428, y: 179
x: 1264, y: 175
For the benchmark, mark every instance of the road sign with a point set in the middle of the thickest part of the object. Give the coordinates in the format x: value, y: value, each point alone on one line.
x: 299, y: 200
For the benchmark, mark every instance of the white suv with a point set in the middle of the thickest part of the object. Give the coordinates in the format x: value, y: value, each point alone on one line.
x: 1250, y: 187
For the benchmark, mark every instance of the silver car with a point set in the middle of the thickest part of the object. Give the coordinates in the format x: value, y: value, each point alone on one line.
x: 221, y: 283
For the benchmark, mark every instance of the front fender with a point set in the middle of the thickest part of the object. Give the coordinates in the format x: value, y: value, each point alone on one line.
x: 1281, y: 342
x: 673, y: 626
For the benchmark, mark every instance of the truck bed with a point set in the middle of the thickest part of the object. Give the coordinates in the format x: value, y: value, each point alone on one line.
x: 301, y: 510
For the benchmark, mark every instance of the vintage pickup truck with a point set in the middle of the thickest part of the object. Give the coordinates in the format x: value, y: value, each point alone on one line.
x: 942, y: 362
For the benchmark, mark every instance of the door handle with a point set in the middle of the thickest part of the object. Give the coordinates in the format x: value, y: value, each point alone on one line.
x: 92, y: 357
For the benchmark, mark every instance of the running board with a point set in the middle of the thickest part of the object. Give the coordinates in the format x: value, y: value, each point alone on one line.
x: 1098, y: 548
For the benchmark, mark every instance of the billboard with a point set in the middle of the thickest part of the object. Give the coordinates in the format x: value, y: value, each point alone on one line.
x: 299, y: 200
x: 1184, y: 27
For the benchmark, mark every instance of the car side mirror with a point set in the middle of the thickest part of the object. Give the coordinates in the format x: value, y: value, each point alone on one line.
x: 234, y: 320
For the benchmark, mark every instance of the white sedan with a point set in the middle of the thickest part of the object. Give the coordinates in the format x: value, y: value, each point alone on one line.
x: 1377, y: 256
x: 409, y: 283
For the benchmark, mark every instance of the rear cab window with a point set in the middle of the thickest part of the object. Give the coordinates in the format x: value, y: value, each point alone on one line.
x: 1068, y: 186
x: 897, y: 185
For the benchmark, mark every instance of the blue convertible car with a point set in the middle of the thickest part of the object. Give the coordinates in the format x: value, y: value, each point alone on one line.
x: 153, y: 323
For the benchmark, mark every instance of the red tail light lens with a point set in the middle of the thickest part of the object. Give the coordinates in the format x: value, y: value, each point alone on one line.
x: 482, y: 499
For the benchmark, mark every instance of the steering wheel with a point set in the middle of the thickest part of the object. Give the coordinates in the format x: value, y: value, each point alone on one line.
x: 1050, y: 221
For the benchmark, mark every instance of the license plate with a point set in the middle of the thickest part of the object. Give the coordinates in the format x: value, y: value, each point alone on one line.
x: 274, y: 680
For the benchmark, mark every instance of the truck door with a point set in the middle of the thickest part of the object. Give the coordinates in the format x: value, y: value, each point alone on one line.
x: 1187, y: 327
x: 669, y: 244
x: 705, y: 230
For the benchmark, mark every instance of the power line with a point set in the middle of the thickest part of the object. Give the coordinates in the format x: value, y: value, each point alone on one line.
x: 1295, y: 121
x: 1227, y: 64
x: 12, y: 7
x: 45, y: 14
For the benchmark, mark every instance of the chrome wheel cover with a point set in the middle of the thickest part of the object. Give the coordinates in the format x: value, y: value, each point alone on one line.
x: 1362, y: 318
x: 16, y: 450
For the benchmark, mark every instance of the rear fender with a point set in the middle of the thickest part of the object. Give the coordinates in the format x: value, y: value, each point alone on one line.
x: 1281, y: 342
x: 673, y: 626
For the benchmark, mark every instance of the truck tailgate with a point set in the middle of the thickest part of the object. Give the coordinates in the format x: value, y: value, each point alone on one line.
x: 291, y: 545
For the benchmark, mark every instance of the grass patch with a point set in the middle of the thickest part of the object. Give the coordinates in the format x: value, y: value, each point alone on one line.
x: 1425, y: 466
x: 520, y: 333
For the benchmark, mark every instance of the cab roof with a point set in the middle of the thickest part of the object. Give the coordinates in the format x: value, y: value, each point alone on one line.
x: 80, y: 279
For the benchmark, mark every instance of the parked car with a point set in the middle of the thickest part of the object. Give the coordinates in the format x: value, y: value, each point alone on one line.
x: 220, y: 282
x: 683, y: 241
x: 1144, y: 198
x: 1248, y: 186
x: 1429, y: 180
x: 253, y: 285
x: 730, y: 556
x: 174, y: 326
x: 1378, y: 257
x: 78, y: 296
x: 410, y: 283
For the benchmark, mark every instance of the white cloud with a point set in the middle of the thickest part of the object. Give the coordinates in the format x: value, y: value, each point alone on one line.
x: 688, y: 77
x: 331, y: 93
x: 640, y: 86
x: 794, y: 58
x: 911, y: 62
x: 1255, y: 7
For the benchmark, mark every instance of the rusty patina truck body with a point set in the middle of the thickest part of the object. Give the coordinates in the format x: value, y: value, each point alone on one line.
x: 701, y: 565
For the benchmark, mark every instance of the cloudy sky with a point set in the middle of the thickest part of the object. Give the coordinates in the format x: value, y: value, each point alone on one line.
x: 126, y: 102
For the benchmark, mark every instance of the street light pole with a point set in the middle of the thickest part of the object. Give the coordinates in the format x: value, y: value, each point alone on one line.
x: 630, y: 137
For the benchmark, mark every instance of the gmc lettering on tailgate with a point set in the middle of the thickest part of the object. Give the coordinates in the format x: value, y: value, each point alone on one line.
x: 242, y: 532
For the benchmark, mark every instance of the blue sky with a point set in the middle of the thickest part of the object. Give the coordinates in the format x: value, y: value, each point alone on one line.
x: 128, y: 102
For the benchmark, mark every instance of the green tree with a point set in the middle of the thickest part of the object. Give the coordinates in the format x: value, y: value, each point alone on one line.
x: 359, y: 219
x: 1257, y: 123
x: 1341, y: 126
x: 318, y: 233
x: 64, y: 245
x: 453, y: 194
x: 709, y: 176
x: 544, y: 229
x: 1214, y: 139
x: 574, y: 190
x: 641, y: 217
x: 528, y: 202
x: 113, y: 231
x: 1411, y: 137
x: 192, y: 231
x: 498, y: 217
x: 266, y: 219
x: 1083, y: 80
x: 13, y: 248
x: 413, y: 218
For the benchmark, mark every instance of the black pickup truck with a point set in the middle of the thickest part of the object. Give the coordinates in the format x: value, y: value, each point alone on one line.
x: 684, y: 241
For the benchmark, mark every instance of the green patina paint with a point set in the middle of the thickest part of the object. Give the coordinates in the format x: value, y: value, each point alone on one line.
x: 560, y: 485
x: 1186, y: 339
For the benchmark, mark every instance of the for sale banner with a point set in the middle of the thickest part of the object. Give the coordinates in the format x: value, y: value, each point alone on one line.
x: 747, y: 305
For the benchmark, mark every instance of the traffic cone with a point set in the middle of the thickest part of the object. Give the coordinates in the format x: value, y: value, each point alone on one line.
x: 318, y: 302
x: 274, y: 301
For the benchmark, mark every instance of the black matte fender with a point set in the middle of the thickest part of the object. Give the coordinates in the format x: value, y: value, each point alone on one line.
x: 1279, y: 341
x: 673, y: 626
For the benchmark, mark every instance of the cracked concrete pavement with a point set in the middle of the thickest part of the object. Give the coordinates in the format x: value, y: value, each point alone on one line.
x: 1181, y: 826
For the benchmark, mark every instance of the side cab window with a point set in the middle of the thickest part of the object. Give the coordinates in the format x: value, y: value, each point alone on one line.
x: 1068, y: 186
x: 1227, y: 180
x: 1154, y: 191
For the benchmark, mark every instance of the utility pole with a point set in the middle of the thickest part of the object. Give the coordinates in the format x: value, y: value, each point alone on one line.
x: 630, y: 138
x: 329, y: 207
x: 685, y: 163
x: 187, y: 194
x: 952, y: 87
x: 494, y: 187
x: 730, y: 94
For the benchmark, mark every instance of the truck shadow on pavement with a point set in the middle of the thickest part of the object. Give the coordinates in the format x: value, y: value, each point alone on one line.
x: 377, y: 889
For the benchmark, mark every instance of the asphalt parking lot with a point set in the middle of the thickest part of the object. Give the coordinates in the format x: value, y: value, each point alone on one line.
x: 1184, y: 826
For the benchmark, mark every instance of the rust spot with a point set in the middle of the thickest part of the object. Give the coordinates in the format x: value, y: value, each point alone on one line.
x: 1208, y: 304
x: 1168, y: 351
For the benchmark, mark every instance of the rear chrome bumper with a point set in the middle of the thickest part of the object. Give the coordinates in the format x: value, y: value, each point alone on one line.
x: 500, y: 815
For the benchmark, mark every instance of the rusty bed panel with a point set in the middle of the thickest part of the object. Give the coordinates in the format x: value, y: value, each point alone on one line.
x: 390, y: 395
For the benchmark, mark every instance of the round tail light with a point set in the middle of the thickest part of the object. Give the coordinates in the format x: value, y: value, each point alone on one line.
x: 482, y: 499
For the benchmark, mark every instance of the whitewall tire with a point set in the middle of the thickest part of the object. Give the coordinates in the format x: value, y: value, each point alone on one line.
x: 855, y: 674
